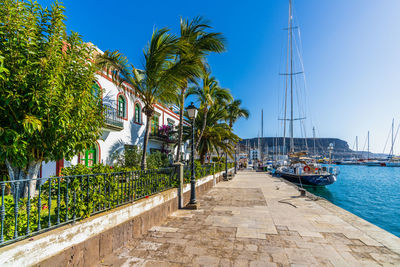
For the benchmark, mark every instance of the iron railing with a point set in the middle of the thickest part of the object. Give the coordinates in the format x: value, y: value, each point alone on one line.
x: 112, y: 120
x: 58, y: 201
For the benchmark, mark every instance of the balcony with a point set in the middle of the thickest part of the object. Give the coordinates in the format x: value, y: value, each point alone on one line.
x: 165, y: 134
x: 112, y: 121
x: 161, y: 138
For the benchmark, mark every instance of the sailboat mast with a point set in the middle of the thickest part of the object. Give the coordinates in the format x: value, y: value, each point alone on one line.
x: 391, y: 149
x: 313, y: 131
x: 368, y: 147
x: 357, y: 146
x: 262, y: 135
x: 291, y: 77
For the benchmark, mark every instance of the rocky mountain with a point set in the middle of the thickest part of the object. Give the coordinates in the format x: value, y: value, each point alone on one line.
x: 275, y: 145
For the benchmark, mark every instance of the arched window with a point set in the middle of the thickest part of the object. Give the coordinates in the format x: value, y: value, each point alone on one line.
x: 138, y: 114
x: 121, y: 107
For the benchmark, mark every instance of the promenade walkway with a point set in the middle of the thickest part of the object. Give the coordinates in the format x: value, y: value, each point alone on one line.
x: 257, y: 220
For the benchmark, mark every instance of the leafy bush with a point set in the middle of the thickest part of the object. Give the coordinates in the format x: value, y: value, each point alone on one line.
x: 132, y: 157
x: 157, y: 160
x: 81, y: 169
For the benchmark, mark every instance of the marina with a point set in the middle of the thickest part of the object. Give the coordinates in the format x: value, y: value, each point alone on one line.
x: 139, y: 142
x: 369, y: 192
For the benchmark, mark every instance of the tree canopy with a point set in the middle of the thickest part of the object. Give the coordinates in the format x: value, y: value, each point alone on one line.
x: 49, y: 109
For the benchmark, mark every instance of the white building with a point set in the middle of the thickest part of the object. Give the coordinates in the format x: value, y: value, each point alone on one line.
x: 124, y: 126
x: 254, y: 154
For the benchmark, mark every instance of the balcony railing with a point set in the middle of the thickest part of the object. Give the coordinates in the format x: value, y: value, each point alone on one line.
x: 161, y: 137
x: 112, y: 120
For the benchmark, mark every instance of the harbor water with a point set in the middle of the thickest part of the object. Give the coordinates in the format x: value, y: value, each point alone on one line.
x: 372, y: 193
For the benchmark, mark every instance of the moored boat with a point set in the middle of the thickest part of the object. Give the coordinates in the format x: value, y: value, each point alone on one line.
x: 305, y: 173
x: 299, y: 169
x: 393, y: 162
x: 295, y: 175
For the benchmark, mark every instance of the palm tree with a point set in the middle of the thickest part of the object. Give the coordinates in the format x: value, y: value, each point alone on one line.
x: 235, y: 111
x: 160, y: 77
x: 208, y: 94
x: 199, y: 43
x: 216, y: 131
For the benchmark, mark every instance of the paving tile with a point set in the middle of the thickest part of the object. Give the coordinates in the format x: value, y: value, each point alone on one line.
x: 244, y: 223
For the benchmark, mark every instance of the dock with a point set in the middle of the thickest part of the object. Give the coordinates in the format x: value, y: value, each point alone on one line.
x: 258, y: 220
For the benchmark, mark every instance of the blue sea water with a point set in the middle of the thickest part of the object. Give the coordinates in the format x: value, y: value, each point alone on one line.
x: 372, y: 193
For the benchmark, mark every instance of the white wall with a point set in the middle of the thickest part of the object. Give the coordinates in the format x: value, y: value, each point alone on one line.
x: 113, y: 141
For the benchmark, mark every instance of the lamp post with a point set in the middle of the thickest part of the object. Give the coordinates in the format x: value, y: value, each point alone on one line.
x: 192, y: 113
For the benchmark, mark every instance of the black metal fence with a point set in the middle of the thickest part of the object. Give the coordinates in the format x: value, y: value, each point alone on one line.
x: 60, y: 200
x: 57, y: 201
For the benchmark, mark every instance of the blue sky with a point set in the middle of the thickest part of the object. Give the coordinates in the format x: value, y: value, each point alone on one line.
x: 350, y: 52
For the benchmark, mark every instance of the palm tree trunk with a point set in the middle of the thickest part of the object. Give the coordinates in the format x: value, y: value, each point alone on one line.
x: 180, y: 133
x: 146, y: 140
x: 203, y: 127
x: 202, y: 158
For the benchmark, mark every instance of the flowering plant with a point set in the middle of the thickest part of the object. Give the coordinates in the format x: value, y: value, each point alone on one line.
x: 165, y: 130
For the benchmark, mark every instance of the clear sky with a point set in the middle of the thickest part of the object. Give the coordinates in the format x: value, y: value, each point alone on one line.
x: 351, y: 53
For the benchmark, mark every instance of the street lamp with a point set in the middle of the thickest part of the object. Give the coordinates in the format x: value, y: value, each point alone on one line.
x: 192, y: 113
x: 226, y: 141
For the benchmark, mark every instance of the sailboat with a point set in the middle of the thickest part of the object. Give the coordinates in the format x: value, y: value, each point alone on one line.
x: 353, y: 160
x: 393, y: 161
x: 301, y: 170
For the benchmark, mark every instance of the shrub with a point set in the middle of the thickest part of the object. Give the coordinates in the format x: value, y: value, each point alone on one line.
x: 132, y: 157
x: 157, y: 160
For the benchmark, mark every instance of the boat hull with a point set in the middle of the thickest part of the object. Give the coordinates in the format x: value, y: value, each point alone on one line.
x: 313, y: 180
x: 381, y: 164
x: 392, y: 164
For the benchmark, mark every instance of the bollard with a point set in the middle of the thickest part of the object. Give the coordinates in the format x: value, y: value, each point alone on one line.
x: 179, y: 170
x: 302, y: 192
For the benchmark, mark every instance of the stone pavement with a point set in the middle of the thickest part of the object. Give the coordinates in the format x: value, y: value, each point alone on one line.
x: 257, y: 220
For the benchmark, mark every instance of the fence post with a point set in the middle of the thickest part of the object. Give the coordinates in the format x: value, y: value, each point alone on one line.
x: 214, y: 178
x: 179, y: 170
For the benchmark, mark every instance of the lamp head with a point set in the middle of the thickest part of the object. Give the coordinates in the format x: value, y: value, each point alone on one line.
x: 192, y: 111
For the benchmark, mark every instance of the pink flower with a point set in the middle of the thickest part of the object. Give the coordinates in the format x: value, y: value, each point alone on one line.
x: 44, y: 207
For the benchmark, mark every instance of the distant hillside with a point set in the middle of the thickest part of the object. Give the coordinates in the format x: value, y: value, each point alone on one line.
x: 273, y: 144
x: 341, y: 150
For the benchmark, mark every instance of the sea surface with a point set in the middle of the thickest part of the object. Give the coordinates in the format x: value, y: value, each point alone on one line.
x: 372, y: 193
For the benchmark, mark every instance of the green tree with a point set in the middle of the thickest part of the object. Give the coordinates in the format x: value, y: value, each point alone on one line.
x: 3, y: 71
x: 161, y: 75
x: 235, y: 112
x: 215, y: 132
x: 48, y: 107
x: 199, y: 43
x: 208, y: 95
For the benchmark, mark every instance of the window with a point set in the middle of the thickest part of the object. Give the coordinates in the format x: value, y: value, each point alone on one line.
x: 170, y: 122
x: 154, y: 124
x: 121, y: 107
x: 138, y: 113
x: 89, y: 157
